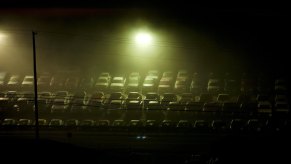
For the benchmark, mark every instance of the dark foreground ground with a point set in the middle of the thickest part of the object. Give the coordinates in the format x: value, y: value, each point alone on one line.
x: 125, y: 147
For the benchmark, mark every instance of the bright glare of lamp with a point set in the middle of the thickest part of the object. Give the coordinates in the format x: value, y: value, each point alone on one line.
x: 2, y: 37
x: 143, y: 39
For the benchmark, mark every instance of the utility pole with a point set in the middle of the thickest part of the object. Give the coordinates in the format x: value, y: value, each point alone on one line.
x: 35, y: 89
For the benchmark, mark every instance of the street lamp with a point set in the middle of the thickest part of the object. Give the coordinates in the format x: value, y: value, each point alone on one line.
x: 143, y: 38
x: 142, y: 49
x: 142, y: 43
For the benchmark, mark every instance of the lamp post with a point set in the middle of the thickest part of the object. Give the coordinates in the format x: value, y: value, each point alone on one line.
x: 35, y: 89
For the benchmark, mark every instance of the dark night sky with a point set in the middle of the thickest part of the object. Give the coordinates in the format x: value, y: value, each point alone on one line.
x: 208, y: 35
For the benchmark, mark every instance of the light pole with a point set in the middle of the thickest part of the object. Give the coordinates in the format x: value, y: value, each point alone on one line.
x: 35, y: 88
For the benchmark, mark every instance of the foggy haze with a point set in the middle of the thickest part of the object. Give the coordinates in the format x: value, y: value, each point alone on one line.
x: 91, y: 39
